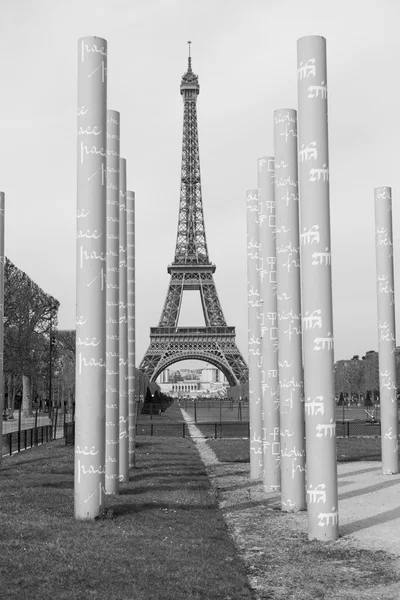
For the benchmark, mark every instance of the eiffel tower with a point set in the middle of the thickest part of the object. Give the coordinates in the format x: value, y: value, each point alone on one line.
x: 192, y: 270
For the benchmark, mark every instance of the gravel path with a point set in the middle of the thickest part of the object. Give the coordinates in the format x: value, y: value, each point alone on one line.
x: 369, y: 507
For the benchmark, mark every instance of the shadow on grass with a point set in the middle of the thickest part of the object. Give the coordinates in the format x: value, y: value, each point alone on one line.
x: 269, y: 503
x: 21, y: 462
x: 352, y: 473
x: 360, y: 458
x: 165, y: 476
x: 242, y: 472
x: 62, y: 485
x: 389, y: 515
x: 120, y: 510
x: 232, y: 488
x: 368, y: 490
x: 190, y: 486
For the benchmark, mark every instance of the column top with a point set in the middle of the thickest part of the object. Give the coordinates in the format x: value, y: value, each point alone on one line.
x: 312, y: 37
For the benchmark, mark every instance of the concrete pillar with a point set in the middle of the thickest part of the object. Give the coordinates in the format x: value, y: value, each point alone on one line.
x: 123, y: 331
x: 112, y: 305
x: 254, y: 341
x: 315, y: 254
x: 130, y: 245
x: 268, y: 325
x: 386, y: 330
x: 2, y: 263
x: 90, y: 278
x: 291, y: 410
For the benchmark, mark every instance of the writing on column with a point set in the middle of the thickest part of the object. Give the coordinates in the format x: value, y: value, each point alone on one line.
x: 306, y: 69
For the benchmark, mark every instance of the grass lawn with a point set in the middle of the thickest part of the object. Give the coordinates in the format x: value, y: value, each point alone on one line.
x: 163, y: 537
x: 348, y: 449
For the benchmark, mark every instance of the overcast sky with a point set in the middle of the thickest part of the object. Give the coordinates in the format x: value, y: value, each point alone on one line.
x: 244, y: 52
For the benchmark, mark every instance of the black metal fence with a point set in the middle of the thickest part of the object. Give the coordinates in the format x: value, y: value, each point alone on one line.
x: 226, y: 429
x: 213, y: 410
x: 358, y: 428
x: 24, y: 437
x: 208, y: 430
x: 27, y: 438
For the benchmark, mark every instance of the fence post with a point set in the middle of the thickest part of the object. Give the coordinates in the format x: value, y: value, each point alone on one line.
x: 25, y: 437
x: 19, y: 427
x: 55, y: 426
x: 183, y: 429
x: 36, y: 416
x: 195, y: 412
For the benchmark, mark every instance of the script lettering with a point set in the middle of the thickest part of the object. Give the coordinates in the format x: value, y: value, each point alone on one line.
x: 307, y: 69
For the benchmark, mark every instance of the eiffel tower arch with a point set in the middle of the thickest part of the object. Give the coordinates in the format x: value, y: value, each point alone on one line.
x: 192, y: 270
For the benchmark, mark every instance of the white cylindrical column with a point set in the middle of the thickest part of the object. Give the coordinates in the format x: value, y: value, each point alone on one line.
x: 112, y: 305
x: 90, y: 278
x: 254, y: 341
x: 123, y: 331
x: 130, y: 266
x: 386, y: 330
x: 316, y: 279
x: 268, y: 325
x: 2, y: 263
x: 291, y: 409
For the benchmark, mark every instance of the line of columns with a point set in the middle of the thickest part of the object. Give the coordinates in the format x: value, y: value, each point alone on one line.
x: 297, y: 358
x: 300, y: 307
x: 107, y: 385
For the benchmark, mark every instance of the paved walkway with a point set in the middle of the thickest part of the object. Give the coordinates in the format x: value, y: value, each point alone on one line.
x: 369, y: 502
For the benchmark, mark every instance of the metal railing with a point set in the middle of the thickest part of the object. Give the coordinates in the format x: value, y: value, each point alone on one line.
x: 155, y: 428
x: 22, y: 437
x: 216, y: 430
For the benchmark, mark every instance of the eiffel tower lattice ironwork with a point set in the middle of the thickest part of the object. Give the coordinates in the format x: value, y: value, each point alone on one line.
x: 192, y: 270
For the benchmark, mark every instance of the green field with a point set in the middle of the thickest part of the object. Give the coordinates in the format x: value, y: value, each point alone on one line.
x: 162, y: 538
x: 353, y: 449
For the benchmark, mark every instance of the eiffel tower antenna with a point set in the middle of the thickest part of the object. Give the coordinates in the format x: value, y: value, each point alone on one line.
x: 192, y: 270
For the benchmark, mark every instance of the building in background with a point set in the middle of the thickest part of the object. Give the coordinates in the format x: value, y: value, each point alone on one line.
x: 196, y: 383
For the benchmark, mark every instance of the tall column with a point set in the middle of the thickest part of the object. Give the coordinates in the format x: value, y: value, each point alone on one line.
x: 90, y: 278
x: 268, y: 325
x: 254, y: 341
x: 112, y: 305
x: 386, y: 330
x: 130, y: 245
x: 315, y: 255
x: 291, y: 409
x: 123, y: 332
x: 2, y: 262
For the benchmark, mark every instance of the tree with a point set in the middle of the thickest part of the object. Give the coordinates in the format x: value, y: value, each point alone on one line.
x: 371, y: 371
x: 29, y: 313
x: 349, y: 376
x: 65, y: 342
